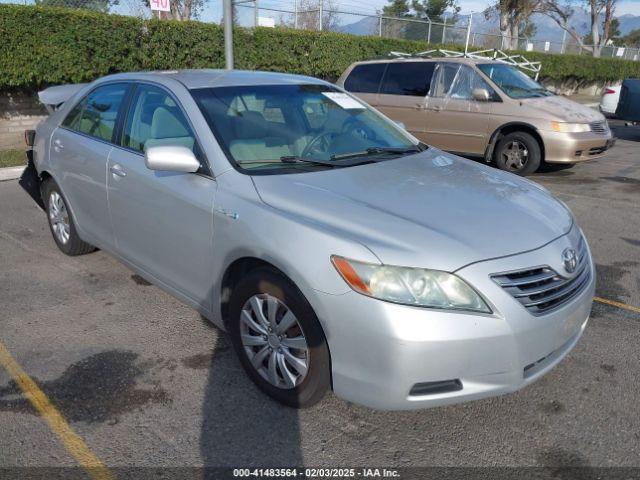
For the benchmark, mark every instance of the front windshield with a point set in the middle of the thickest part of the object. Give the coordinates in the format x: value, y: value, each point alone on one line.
x: 512, y: 81
x: 280, y: 128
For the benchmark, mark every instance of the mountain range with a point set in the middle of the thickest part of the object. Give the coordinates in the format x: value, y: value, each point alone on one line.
x: 546, y: 28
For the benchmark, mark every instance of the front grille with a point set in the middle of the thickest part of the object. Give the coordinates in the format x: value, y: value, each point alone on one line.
x: 599, y: 127
x: 597, y: 150
x: 541, y: 289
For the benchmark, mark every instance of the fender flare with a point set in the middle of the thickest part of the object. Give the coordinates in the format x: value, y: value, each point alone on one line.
x: 512, y: 126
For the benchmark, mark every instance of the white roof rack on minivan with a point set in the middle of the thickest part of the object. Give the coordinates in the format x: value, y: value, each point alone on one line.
x: 518, y: 61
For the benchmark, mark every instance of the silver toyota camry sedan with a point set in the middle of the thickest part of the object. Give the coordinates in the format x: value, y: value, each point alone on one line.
x: 336, y: 249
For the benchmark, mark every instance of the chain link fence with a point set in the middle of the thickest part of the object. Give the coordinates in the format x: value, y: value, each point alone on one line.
x: 356, y: 17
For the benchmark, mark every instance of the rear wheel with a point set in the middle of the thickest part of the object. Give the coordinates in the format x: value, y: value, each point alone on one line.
x: 61, y: 222
x: 519, y: 153
x: 279, y: 340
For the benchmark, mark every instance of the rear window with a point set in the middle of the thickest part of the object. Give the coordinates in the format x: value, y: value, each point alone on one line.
x: 96, y: 114
x: 365, y: 78
x: 408, y: 78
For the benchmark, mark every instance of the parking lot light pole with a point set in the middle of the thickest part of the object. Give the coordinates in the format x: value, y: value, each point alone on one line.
x: 466, y: 42
x: 228, y: 33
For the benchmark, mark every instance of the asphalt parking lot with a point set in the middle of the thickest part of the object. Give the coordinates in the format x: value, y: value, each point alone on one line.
x: 144, y: 381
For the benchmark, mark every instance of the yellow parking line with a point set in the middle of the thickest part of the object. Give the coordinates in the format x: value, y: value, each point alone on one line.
x: 613, y: 303
x: 73, y: 443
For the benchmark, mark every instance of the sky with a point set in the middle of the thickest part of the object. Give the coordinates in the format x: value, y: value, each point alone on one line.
x: 213, y: 10
x: 623, y: 7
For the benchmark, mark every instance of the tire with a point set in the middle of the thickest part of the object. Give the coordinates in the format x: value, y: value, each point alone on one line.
x: 257, y: 291
x: 68, y: 242
x: 506, y: 158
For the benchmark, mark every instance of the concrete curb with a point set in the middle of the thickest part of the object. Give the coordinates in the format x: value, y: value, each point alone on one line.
x: 10, y: 173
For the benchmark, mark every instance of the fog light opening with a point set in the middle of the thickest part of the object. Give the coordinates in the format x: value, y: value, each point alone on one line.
x: 432, y: 388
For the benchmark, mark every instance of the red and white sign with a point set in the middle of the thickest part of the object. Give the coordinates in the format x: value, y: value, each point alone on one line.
x: 161, y: 5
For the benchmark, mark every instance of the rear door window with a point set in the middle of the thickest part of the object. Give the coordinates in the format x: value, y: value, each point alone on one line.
x: 408, y: 78
x: 365, y: 78
x: 96, y: 115
x: 154, y: 119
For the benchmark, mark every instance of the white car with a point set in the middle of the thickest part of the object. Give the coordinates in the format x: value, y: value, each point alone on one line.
x: 609, y: 100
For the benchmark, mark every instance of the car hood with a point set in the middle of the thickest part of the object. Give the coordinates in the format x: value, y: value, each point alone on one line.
x: 561, y: 109
x: 431, y: 210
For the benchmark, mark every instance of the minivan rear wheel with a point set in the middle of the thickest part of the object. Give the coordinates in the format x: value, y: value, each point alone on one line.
x: 519, y: 153
x: 278, y: 338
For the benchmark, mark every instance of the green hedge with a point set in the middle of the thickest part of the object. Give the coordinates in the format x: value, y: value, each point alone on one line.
x: 42, y: 46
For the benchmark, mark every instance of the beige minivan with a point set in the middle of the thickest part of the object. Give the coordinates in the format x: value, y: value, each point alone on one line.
x: 481, y: 107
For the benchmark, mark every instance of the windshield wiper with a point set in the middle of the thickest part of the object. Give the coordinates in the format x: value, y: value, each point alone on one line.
x: 379, y: 150
x: 287, y: 160
x: 294, y: 159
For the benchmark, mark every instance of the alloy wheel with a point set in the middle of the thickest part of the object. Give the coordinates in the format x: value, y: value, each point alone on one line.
x: 516, y: 155
x: 59, y: 217
x: 273, y: 341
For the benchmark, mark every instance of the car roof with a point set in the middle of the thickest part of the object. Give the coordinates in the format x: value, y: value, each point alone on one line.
x: 209, y: 78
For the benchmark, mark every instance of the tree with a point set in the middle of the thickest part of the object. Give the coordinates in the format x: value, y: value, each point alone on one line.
x: 433, y: 10
x: 183, y: 9
x: 97, y: 5
x: 631, y: 39
x: 614, y: 33
x: 396, y: 8
x: 309, y: 15
x: 514, y: 18
x: 561, y: 14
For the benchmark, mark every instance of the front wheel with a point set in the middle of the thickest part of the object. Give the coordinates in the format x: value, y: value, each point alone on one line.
x: 519, y: 153
x: 279, y: 340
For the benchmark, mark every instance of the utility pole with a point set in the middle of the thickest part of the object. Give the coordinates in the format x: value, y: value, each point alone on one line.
x: 256, y: 12
x: 380, y: 26
x: 429, y: 32
x: 320, y: 11
x: 444, y: 30
x: 295, y: 14
x: 228, y: 33
x: 466, y: 43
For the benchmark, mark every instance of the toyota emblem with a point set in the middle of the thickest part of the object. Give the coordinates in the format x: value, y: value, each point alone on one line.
x: 570, y: 259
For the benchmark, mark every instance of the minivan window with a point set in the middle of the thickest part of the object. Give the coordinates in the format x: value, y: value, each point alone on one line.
x: 324, y: 128
x: 365, y: 78
x: 465, y: 82
x: 96, y: 114
x: 154, y: 119
x: 408, y: 78
x: 445, y: 76
x: 512, y: 81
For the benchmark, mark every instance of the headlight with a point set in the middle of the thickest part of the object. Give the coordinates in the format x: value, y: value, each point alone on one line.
x: 570, y: 127
x: 410, y: 286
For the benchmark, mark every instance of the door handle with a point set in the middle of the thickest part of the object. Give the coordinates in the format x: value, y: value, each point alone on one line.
x: 57, y: 145
x: 117, y: 171
x: 435, y: 108
x: 419, y: 106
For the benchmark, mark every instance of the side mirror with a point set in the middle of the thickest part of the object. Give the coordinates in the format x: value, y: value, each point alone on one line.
x: 401, y: 125
x: 171, y: 158
x: 480, y: 94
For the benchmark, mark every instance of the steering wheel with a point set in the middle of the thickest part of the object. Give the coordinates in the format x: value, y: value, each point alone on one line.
x: 324, y: 136
x: 355, y: 126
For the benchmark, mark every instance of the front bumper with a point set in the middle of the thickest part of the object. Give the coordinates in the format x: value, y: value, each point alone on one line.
x: 575, y: 147
x: 380, y: 351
